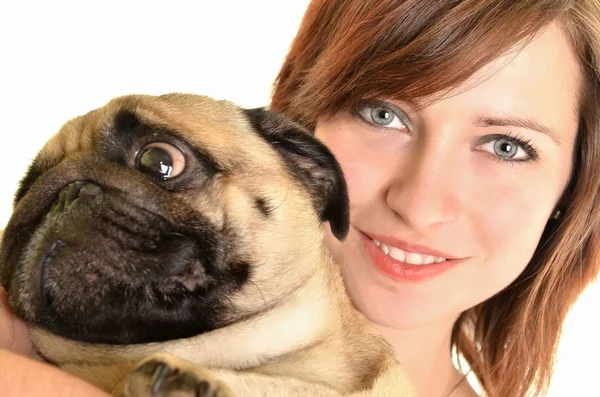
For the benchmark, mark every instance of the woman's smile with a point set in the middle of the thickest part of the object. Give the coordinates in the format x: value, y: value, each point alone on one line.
x: 404, y: 261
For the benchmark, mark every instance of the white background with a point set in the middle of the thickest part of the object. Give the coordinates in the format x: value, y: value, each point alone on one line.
x: 59, y: 59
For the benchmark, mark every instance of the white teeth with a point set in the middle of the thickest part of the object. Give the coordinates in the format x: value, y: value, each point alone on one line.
x: 411, y: 258
x: 385, y: 249
x: 397, y: 254
x: 415, y: 259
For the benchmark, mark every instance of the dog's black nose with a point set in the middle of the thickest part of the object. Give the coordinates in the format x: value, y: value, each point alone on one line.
x: 79, y: 189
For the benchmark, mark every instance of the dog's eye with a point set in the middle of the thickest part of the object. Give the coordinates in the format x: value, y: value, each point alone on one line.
x: 161, y: 160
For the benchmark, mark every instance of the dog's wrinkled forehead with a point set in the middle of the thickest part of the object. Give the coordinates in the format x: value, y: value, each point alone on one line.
x: 219, y: 129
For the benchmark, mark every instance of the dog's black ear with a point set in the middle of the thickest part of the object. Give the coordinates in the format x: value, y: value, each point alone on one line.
x: 312, y: 162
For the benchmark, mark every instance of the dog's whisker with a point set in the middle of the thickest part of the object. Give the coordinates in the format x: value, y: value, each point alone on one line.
x: 260, y: 292
x: 178, y: 235
x: 284, y: 198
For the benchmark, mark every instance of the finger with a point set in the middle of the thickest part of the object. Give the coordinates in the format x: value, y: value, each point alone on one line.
x: 24, y: 377
x: 14, y: 334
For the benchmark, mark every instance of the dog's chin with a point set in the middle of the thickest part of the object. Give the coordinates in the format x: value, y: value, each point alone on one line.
x: 105, y: 271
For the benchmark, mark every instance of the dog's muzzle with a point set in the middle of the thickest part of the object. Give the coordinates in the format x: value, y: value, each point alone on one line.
x: 100, y: 268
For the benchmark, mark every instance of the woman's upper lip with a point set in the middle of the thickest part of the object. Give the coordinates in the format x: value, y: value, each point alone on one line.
x: 410, y: 247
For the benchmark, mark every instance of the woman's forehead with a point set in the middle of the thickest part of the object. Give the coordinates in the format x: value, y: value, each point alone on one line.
x: 540, y: 81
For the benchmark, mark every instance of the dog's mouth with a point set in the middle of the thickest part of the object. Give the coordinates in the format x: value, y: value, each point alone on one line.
x: 40, y: 279
x: 100, y: 269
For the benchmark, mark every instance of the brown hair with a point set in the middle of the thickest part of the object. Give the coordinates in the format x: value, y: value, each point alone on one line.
x: 350, y: 50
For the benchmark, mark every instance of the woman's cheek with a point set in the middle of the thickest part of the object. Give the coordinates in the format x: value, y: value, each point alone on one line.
x: 361, y: 171
x: 510, y: 222
x: 357, y: 180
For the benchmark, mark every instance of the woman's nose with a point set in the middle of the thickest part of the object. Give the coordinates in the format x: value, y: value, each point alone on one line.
x: 427, y: 189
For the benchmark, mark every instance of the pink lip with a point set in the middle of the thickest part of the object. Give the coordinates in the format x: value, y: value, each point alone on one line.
x: 401, y: 271
x: 406, y: 246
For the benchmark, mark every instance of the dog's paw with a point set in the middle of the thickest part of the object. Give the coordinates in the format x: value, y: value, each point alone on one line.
x: 163, y: 375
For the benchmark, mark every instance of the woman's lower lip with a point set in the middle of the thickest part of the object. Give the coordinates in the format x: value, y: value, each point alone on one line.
x: 403, y: 271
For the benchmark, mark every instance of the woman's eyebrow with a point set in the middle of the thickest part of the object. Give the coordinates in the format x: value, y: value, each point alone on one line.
x: 520, y: 122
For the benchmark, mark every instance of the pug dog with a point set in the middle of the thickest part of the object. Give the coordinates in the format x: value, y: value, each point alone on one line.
x: 172, y: 246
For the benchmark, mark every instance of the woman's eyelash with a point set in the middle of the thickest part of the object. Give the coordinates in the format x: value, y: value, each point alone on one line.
x: 373, y: 104
x: 517, y: 139
x: 513, y: 138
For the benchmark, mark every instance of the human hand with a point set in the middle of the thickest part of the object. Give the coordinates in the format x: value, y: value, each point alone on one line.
x: 21, y: 375
x: 24, y: 377
x: 14, y: 334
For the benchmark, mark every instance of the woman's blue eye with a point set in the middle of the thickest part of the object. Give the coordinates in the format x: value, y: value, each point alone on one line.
x: 383, y: 115
x: 509, y: 148
x: 506, y: 148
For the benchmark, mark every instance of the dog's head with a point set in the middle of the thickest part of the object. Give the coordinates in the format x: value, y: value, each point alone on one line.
x: 156, y: 218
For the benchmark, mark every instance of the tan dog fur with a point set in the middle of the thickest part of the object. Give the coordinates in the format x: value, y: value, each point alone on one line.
x: 299, y: 334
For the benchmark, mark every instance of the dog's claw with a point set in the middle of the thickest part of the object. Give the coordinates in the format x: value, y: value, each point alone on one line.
x: 161, y: 373
x: 204, y: 389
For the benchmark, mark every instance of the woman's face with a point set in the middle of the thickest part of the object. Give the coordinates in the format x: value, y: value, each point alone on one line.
x: 469, y: 181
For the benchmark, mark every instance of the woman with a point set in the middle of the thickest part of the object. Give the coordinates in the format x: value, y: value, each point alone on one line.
x: 468, y: 132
